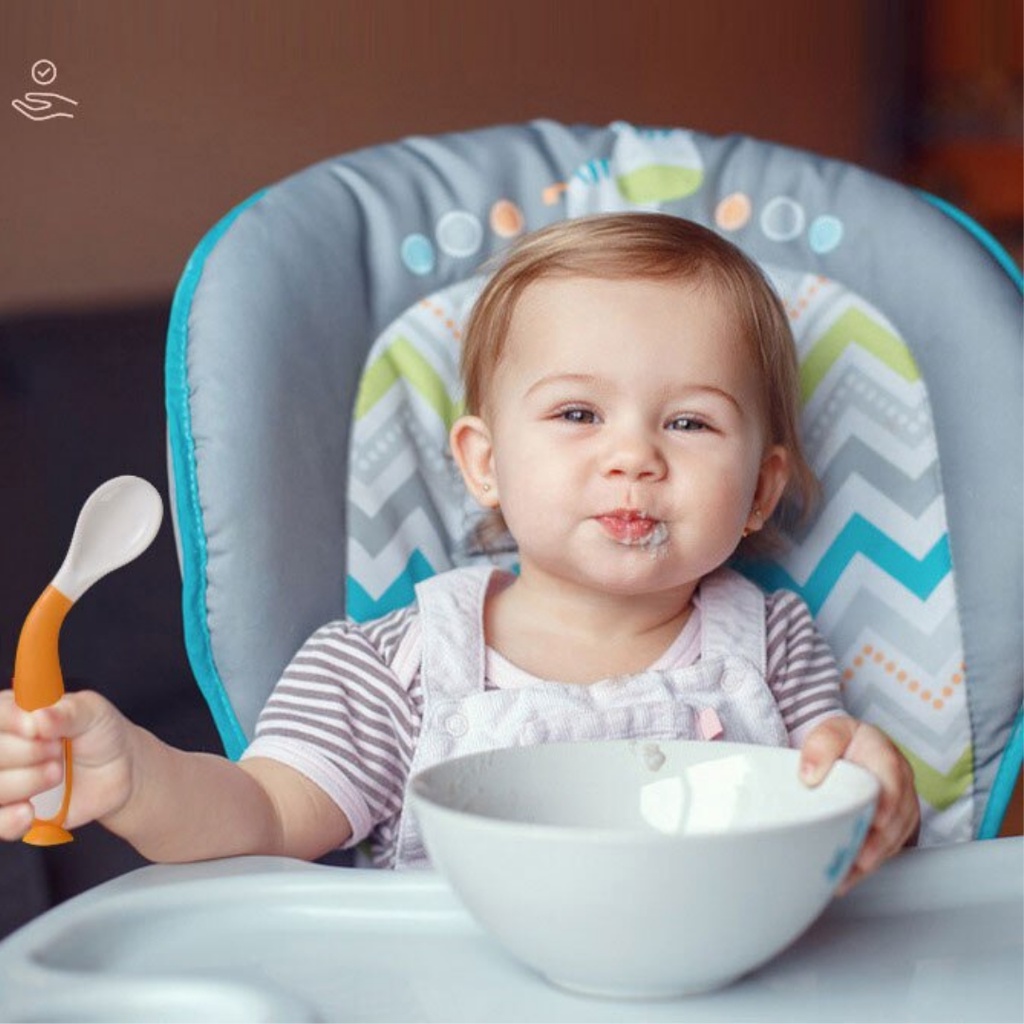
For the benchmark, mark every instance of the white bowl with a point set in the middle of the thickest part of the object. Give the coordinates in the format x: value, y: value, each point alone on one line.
x: 637, y: 869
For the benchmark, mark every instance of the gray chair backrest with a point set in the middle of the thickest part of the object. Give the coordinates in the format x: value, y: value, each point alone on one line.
x: 910, y: 336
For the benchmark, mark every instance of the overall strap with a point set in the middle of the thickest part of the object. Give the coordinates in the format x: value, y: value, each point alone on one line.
x: 732, y: 619
x: 451, y: 608
x: 451, y: 644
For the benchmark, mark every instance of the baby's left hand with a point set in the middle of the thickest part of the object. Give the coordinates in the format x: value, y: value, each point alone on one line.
x: 897, y: 815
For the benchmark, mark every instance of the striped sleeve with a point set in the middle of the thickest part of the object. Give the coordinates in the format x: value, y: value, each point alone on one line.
x: 802, y: 671
x: 345, y: 720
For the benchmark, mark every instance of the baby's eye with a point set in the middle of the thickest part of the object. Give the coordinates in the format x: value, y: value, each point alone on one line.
x: 577, y: 415
x: 686, y: 423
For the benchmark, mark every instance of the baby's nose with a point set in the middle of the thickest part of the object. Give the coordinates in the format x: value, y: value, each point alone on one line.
x: 634, y: 455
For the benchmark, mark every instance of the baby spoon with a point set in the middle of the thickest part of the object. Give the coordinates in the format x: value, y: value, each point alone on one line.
x: 117, y: 523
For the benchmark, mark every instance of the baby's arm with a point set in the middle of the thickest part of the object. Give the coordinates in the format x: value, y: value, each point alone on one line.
x: 897, y: 815
x: 171, y: 805
x: 804, y: 680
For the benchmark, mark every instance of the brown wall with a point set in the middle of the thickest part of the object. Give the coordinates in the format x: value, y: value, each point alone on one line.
x: 185, y: 109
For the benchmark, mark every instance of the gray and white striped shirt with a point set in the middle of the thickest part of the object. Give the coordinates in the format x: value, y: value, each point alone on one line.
x: 348, y: 716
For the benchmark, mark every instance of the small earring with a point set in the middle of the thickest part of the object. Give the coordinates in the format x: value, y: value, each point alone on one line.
x: 756, y: 513
x: 485, y: 488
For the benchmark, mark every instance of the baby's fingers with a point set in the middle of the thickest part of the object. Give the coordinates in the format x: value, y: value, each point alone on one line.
x: 15, y: 820
x: 19, y: 751
x: 12, y: 718
x: 896, y: 821
x: 883, y: 841
x: 53, y: 722
x: 28, y: 764
x: 27, y: 767
x: 18, y: 784
x: 897, y: 815
x: 72, y: 716
x: 825, y: 745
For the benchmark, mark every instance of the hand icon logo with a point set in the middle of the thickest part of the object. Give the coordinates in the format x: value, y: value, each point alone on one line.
x: 42, y: 106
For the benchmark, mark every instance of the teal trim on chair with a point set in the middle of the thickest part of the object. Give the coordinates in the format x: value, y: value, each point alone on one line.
x: 189, y: 511
x: 1012, y: 760
x: 1005, y: 780
x: 1001, y: 256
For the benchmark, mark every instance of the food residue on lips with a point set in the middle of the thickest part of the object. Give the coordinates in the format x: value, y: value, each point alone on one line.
x: 636, y: 530
x: 656, y: 539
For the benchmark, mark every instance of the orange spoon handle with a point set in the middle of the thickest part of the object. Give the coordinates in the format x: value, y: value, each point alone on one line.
x: 38, y: 683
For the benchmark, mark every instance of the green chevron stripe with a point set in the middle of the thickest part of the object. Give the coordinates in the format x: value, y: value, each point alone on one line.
x: 854, y: 327
x: 401, y: 361
x: 939, y: 789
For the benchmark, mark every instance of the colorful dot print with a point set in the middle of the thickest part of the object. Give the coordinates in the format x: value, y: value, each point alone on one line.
x: 733, y: 212
x: 418, y: 254
x: 459, y: 233
x: 782, y: 219
x: 506, y: 219
x: 825, y: 233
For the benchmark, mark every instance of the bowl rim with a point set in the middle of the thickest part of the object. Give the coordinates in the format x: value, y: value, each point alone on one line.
x: 632, y: 835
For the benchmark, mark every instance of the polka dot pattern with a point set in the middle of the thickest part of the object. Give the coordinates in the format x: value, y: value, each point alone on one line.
x: 734, y: 211
x: 417, y: 254
x: 506, y: 219
x: 459, y: 234
x: 782, y: 219
x: 825, y: 233
x: 870, y: 655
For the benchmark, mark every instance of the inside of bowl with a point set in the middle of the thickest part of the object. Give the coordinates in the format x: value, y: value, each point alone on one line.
x: 672, y: 787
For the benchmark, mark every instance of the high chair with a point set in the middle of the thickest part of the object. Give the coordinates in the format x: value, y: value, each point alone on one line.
x: 312, y: 377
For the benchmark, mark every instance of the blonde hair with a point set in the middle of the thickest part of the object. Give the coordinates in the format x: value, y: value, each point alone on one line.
x: 655, y: 246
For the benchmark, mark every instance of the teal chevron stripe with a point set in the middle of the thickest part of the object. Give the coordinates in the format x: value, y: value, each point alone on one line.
x: 362, y: 607
x: 859, y: 537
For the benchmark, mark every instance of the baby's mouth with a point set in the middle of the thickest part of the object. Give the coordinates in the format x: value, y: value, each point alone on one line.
x: 633, y: 527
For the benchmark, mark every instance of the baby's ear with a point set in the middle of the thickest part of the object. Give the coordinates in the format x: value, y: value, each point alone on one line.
x: 470, y: 440
x: 772, y: 479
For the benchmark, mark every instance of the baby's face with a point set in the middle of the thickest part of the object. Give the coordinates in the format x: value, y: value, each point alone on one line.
x: 627, y: 431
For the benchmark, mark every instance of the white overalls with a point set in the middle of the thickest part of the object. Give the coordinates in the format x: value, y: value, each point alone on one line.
x: 461, y: 717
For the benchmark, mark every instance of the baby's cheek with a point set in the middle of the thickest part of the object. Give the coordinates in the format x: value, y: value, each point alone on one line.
x: 725, y: 500
x: 525, y: 516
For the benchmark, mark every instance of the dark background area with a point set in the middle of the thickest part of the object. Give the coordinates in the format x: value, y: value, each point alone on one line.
x: 185, y: 109
x: 81, y: 401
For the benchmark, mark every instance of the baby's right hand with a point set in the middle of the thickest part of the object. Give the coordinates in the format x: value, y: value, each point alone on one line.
x: 31, y: 758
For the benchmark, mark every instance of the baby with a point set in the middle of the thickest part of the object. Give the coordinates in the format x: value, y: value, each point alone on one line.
x: 631, y: 421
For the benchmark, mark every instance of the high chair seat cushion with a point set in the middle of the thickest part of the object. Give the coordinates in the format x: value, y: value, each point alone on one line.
x: 312, y: 375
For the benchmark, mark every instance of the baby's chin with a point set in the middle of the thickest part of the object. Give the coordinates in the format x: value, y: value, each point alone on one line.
x: 640, y: 574
x: 633, y: 565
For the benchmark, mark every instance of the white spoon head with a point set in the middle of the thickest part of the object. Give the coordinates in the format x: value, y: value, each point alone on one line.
x: 117, y: 523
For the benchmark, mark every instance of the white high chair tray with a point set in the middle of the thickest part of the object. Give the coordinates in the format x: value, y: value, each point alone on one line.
x: 936, y: 935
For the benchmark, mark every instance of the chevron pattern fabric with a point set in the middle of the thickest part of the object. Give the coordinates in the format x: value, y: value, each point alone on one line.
x: 874, y: 566
x: 408, y: 513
